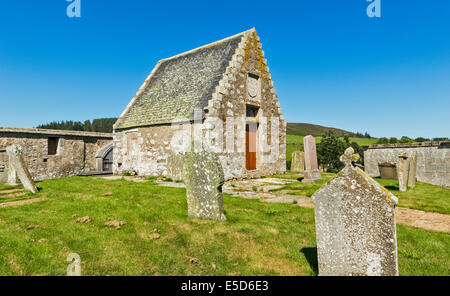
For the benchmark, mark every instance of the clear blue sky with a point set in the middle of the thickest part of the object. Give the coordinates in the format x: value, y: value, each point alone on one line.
x: 331, y: 64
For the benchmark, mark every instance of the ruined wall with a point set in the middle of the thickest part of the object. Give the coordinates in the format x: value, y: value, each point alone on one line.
x: 75, y: 154
x: 433, y: 160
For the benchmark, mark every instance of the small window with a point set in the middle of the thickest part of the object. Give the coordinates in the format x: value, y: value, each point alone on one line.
x: 251, y: 111
x: 53, y: 145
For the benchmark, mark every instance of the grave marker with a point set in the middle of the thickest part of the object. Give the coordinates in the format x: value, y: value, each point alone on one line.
x: 298, y: 162
x: 18, y: 169
x: 355, y: 224
x: 203, y: 176
x: 312, y: 172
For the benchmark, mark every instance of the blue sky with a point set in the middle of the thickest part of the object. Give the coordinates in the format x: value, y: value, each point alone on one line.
x: 331, y: 64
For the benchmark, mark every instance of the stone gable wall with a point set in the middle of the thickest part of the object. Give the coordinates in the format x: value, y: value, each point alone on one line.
x: 146, y: 150
x: 433, y: 160
x: 76, y: 154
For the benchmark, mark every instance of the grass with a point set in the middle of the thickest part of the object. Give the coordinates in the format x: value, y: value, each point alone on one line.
x: 257, y: 238
x: 424, y: 197
x: 303, y: 189
x: 293, y: 143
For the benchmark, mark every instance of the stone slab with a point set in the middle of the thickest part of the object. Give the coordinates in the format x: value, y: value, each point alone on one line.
x: 18, y: 168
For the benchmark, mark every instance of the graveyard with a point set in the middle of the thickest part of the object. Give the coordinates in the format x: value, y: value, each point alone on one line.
x: 165, y: 145
x: 158, y: 238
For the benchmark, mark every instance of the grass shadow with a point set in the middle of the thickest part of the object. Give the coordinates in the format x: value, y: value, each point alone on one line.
x: 311, y: 257
x: 391, y: 187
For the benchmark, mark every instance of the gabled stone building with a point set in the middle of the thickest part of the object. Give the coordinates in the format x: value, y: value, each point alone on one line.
x: 221, y: 94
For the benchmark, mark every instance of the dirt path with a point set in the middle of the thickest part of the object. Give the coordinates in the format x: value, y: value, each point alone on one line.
x: 21, y: 202
x: 260, y: 189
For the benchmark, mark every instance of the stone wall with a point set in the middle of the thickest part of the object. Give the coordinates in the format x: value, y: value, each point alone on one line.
x: 75, y: 152
x: 433, y: 160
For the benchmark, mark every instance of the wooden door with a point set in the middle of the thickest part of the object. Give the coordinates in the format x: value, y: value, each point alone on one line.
x: 250, y: 145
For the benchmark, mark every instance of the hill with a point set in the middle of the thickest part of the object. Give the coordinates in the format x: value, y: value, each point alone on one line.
x: 304, y: 129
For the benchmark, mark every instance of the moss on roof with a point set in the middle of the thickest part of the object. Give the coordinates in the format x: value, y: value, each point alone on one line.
x: 180, y: 84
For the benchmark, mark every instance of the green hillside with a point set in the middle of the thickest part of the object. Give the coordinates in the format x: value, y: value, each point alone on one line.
x: 304, y: 129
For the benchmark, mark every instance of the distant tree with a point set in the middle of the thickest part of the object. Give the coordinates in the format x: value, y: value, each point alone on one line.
x: 421, y: 139
x: 383, y: 140
x: 393, y: 140
x: 405, y: 140
x: 87, y: 127
x: 102, y: 125
x: 440, y: 139
x: 366, y: 135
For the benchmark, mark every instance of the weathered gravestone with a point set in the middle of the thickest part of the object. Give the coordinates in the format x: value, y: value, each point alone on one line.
x: 203, y: 176
x: 355, y: 224
x: 402, y: 171
x: 312, y: 172
x: 298, y: 162
x: 18, y: 169
x: 412, y: 170
x: 175, y: 166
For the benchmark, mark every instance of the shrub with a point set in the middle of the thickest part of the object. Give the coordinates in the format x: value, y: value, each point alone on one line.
x: 330, y: 149
x: 383, y: 140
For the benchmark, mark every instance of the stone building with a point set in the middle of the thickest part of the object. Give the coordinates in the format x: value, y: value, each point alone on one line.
x: 433, y: 160
x: 221, y: 94
x: 57, y: 153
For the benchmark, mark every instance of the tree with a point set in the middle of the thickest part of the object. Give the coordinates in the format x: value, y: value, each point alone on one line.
x: 101, y: 125
x: 421, y: 139
x: 383, y: 140
x: 393, y: 140
x: 330, y: 149
x: 405, y: 140
x: 87, y: 127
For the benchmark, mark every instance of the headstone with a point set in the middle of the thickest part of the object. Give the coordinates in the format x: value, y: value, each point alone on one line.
x: 298, y: 162
x: 18, y: 169
x: 355, y: 224
x: 175, y: 166
x: 388, y: 170
x: 402, y: 171
x: 412, y: 170
x: 203, y: 176
x: 312, y: 172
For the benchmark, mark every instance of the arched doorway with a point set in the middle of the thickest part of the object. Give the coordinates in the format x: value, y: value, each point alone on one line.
x: 105, y: 158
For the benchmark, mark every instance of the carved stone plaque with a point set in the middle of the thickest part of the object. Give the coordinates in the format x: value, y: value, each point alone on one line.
x: 252, y: 85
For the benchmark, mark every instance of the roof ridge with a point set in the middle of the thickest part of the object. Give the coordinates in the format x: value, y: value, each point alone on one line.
x: 206, y: 46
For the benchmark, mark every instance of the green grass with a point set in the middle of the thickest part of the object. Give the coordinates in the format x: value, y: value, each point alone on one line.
x: 424, y: 197
x: 293, y: 143
x: 257, y: 238
x: 303, y: 189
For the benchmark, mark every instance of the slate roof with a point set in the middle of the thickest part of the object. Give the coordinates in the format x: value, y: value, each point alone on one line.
x: 180, y: 84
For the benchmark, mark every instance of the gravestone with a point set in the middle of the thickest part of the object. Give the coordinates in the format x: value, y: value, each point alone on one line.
x: 312, y: 172
x: 298, y: 162
x: 402, y: 171
x: 175, y: 166
x: 355, y: 224
x: 18, y: 169
x: 388, y: 170
x: 203, y: 176
x: 412, y: 170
